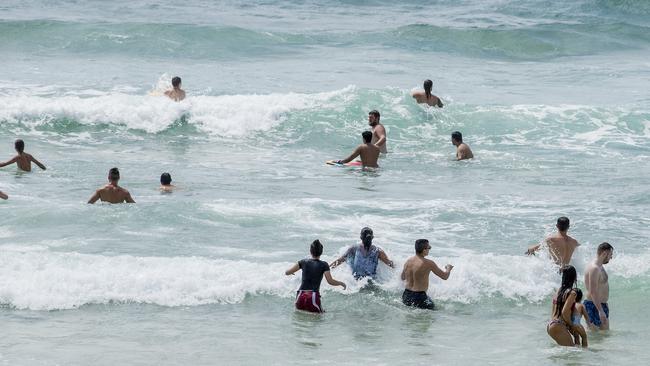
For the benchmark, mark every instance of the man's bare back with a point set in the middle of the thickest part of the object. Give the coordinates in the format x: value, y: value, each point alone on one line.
x: 112, y: 194
x: 176, y: 94
x: 464, y: 152
x: 421, y: 98
x: 561, y: 248
x: 368, y: 151
x: 24, y: 162
x: 416, y: 273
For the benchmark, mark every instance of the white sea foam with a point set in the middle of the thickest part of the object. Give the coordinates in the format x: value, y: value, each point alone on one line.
x: 44, y: 280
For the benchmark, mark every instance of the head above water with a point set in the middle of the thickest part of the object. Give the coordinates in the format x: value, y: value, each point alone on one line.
x: 373, y: 117
x: 165, y: 179
x: 422, y: 245
x: 569, y: 280
x: 19, y: 145
x: 316, y: 248
x: 366, y: 237
x: 456, y: 138
x: 367, y: 136
x: 563, y: 224
x: 114, y: 175
x: 605, y: 252
x: 428, y: 85
x: 176, y: 82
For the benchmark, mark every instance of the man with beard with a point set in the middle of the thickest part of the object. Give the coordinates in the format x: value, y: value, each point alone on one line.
x: 597, y: 284
x: 378, y: 131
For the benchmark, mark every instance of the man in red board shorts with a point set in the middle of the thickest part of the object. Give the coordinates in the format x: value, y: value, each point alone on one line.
x: 313, y: 269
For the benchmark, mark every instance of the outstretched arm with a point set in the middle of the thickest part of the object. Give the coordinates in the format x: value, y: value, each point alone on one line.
x: 332, y: 281
x: 292, y: 270
x: 384, y: 258
x: 533, y: 249
x: 337, y: 262
x: 37, y: 162
x: 352, y: 156
x: 94, y: 197
x: 15, y: 158
x: 440, y: 273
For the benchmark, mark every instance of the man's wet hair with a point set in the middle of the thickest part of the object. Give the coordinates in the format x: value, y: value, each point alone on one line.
x: 456, y: 135
x: 375, y: 113
x: 316, y: 248
x: 19, y: 145
x: 367, y: 136
x: 604, y: 247
x: 421, y: 245
x: 563, y: 223
x: 165, y: 179
x: 114, y: 174
x: 428, y: 85
x: 176, y: 81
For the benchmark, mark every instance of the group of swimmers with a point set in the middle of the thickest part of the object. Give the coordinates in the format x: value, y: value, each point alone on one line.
x: 564, y: 326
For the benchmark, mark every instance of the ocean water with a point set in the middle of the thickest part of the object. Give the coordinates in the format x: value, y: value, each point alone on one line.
x: 552, y: 97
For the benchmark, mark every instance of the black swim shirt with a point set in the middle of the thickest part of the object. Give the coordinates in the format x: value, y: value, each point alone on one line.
x: 312, y: 273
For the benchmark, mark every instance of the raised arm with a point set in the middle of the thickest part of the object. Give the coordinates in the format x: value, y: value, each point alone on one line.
x: 567, y: 309
x: 352, y: 156
x: 440, y: 273
x: 292, y: 270
x: 37, y: 162
x: 384, y: 258
x: 94, y: 197
x: 332, y: 281
x: 15, y: 158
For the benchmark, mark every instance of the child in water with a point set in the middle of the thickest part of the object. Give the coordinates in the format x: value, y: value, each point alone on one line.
x: 578, y: 331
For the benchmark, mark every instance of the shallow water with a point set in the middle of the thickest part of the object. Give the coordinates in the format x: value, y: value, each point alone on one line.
x: 552, y: 99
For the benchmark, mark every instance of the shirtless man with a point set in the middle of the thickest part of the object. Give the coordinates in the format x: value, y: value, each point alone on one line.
x: 462, y: 150
x: 112, y: 192
x: 166, y: 183
x: 560, y: 245
x: 416, y: 274
x: 23, y: 159
x: 369, y: 153
x: 597, y: 284
x: 176, y: 94
x: 378, y: 131
x: 425, y: 96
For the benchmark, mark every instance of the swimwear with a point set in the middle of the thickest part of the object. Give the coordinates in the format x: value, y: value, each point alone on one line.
x: 555, y: 321
x: 308, y: 300
x: 363, y: 265
x: 418, y: 299
x: 312, y: 273
x: 592, y: 312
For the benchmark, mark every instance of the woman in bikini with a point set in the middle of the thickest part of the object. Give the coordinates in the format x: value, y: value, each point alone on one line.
x: 564, y: 301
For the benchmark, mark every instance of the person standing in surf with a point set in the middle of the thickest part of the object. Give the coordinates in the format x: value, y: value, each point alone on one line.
x: 364, y: 258
x: 416, y: 276
x: 369, y: 152
x: 560, y: 245
x: 313, y: 270
x: 23, y: 160
x: 176, y: 94
x: 378, y: 131
x: 112, y: 192
x: 560, y: 327
x: 597, y: 283
x: 425, y: 97
x: 462, y: 149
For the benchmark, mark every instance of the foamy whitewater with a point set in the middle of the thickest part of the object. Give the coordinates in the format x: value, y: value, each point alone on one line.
x: 552, y: 97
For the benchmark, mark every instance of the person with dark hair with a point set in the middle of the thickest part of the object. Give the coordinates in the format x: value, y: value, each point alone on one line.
x: 112, y: 192
x: 369, y: 153
x: 364, y: 257
x: 559, y: 327
x: 166, y: 183
x: 378, y: 131
x: 425, y: 97
x: 313, y: 269
x: 462, y: 149
x: 23, y: 160
x: 560, y: 245
x: 416, y: 275
x: 579, y: 312
x: 597, y: 284
x: 176, y: 94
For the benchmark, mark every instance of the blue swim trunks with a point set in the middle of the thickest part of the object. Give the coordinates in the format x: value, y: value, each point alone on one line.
x: 592, y: 311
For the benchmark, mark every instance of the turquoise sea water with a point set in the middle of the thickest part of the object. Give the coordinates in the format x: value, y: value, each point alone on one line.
x: 551, y: 96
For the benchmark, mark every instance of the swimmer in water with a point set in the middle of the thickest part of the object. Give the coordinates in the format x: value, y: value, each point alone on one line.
x: 23, y: 159
x: 462, y: 150
x: 364, y: 257
x: 313, y: 270
x: 176, y: 94
x: 166, y: 183
x: 369, y: 152
x: 112, y: 192
x: 560, y: 245
x: 378, y: 131
x: 416, y: 276
x: 425, y: 97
